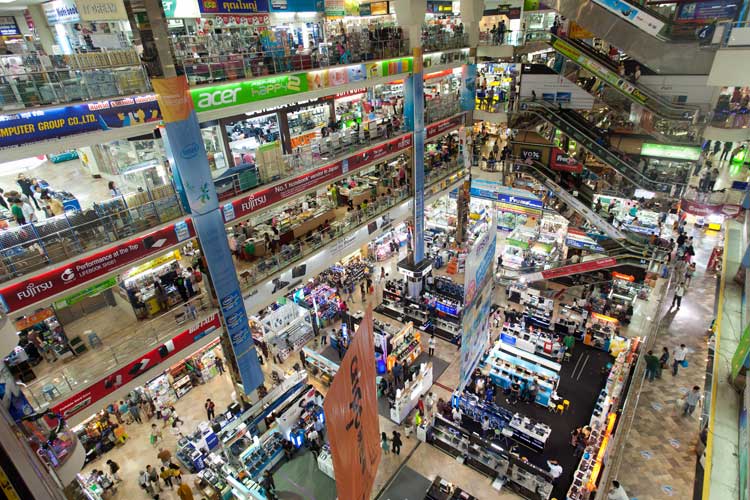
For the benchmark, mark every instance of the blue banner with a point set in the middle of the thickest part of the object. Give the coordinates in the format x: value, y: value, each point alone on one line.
x: 55, y: 123
x: 468, y: 90
x: 418, y: 196
x: 297, y: 6
x: 409, y: 103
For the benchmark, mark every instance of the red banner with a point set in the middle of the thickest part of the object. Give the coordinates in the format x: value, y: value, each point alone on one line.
x: 61, y: 279
x: 704, y: 209
x: 583, y: 267
x: 559, y: 160
x: 274, y: 194
x: 101, y: 388
x: 444, y: 126
x: 351, y: 411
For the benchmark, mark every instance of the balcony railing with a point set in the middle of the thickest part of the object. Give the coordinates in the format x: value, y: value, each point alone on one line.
x: 29, y: 80
x: 241, y: 65
x: 434, y: 42
x: 47, y: 390
x: 515, y: 38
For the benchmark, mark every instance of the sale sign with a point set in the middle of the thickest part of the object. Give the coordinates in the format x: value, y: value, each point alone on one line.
x: 318, y: 177
x: 109, y: 384
x: 61, y: 279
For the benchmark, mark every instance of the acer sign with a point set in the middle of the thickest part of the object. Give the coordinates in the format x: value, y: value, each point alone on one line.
x: 318, y: 177
x: 61, y: 279
x: 560, y: 161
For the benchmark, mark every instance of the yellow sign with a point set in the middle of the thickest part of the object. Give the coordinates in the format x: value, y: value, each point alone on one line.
x: 161, y: 260
x: 174, y: 98
x: 576, y: 31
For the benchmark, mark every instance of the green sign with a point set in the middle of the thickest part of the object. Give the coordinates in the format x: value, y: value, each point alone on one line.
x: 86, y: 292
x: 740, y: 355
x: 516, y: 243
x: 672, y: 152
x: 601, y: 72
x: 232, y: 94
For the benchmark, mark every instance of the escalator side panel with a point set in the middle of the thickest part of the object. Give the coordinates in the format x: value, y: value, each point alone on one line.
x: 669, y: 58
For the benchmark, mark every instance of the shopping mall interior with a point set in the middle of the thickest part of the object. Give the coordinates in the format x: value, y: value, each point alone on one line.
x: 517, y: 229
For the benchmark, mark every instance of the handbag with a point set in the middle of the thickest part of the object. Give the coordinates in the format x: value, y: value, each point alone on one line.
x: 684, y: 363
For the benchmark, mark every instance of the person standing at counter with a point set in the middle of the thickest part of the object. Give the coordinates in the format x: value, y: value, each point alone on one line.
x: 114, y: 192
x: 25, y: 184
x: 161, y: 295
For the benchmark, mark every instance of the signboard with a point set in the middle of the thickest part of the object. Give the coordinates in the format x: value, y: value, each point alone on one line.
x: 86, y: 292
x: 292, y: 187
x: 706, y: 11
x: 351, y: 414
x: 233, y: 6
x: 560, y: 161
x: 672, y: 152
x: 583, y: 267
x: 477, y: 300
x: 531, y: 153
x: 296, y: 5
x: 55, y: 123
x: 740, y: 355
x: 633, y: 15
x: 600, y: 71
x: 468, y: 90
x: 577, y: 32
x: 444, y: 126
x: 109, y: 384
x: 102, y: 10
x: 45, y: 285
x: 8, y: 26
x: 60, y: 11
x: 181, y: 9
x: 704, y: 209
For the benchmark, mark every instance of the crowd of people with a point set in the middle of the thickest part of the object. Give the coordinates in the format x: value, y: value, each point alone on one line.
x: 31, y: 202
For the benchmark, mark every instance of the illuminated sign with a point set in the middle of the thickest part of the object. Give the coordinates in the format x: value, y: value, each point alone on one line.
x: 671, y: 152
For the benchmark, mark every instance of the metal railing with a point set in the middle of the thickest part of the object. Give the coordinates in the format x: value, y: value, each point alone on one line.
x: 27, y: 81
x: 134, y: 339
x: 241, y: 65
x: 516, y: 38
x: 441, y: 107
x: 434, y: 42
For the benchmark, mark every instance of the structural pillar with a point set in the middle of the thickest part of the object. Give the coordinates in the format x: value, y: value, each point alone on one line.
x: 187, y: 156
x: 43, y: 31
x: 410, y: 16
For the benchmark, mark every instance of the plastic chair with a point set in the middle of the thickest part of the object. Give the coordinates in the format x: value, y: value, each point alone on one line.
x: 566, y: 404
x: 560, y: 408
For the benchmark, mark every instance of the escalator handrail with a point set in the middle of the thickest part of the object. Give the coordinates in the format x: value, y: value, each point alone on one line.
x: 673, y: 110
x: 623, y: 260
x: 611, y: 159
x: 634, y: 244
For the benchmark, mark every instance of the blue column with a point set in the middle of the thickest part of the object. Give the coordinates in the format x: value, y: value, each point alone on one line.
x: 187, y: 155
x: 414, y: 118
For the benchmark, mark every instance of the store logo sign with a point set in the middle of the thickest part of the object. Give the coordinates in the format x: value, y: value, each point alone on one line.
x: 217, y: 98
x: 33, y: 289
x: 68, y: 275
x: 532, y: 154
x: 190, y: 151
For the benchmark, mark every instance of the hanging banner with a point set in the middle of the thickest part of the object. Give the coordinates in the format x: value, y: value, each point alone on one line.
x: 42, y: 286
x: 633, y: 15
x: 740, y: 355
x: 704, y: 209
x: 351, y: 414
x: 468, y: 90
x: 443, y: 126
x: 102, y: 10
x: 112, y: 382
x: 559, y: 272
x: 60, y: 11
x: 477, y: 300
x: 560, y: 161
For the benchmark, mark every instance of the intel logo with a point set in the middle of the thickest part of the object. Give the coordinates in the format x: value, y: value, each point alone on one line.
x: 190, y: 151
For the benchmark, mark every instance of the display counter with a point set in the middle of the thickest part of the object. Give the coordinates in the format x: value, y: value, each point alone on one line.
x: 506, y: 364
x: 600, y: 331
x: 406, y: 398
x: 287, y: 329
x: 440, y: 489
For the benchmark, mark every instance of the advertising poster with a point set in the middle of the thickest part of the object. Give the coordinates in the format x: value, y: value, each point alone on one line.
x: 477, y: 299
x: 633, y: 15
x: 468, y: 91
x: 55, y: 123
x: 351, y: 414
x: 61, y: 279
x: 740, y: 355
x: 8, y: 26
x: 101, y: 388
x: 561, y: 161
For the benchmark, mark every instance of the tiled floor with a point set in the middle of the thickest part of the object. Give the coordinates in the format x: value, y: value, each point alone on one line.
x: 659, y: 454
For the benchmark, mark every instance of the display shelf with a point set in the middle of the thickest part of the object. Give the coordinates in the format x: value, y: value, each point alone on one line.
x: 505, y: 364
x: 408, y: 397
x: 326, y: 369
x: 537, y: 341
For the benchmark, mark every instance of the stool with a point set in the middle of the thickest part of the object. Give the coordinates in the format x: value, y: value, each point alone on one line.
x: 566, y: 404
x: 94, y: 340
x: 567, y: 356
x: 50, y: 391
x: 560, y: 408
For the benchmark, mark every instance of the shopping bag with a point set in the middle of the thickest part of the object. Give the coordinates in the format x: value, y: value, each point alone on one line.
x: 684, y: 363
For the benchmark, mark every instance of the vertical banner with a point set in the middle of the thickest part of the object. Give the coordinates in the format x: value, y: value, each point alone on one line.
x: 477, y: 299
x: 740, y: 355
x: 416, y: 95
x: 467, y: 94
x: 351, y: 413
x: 187, y: 155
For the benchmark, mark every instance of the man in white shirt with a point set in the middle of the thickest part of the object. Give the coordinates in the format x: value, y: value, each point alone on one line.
x: 555, y: 470
x: 679, y: 356
x: 678, y: 293
x: 28, y: 212
x: 617, y: 492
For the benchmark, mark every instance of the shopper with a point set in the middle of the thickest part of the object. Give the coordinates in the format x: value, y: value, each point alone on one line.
x: 679, y: 357
x: 555, y: 470
x: 652, y: 366
x: 25, y: 184
x: 340, y: 348
x: 268, y: 484
x: 420, y: 404
x: 456, y: 415
x: 114, y: 468
x: 313, y: 436
x: 384, y: 443
x: 28, y: 212
x: 114, y: 192
x: 210, y: 409
x: 16, y: 210
x: 153, y: 477
x: 396, y: 442
x: 397, y: 374
x: 617, y: 492
x: 679, y: 291
x: 125, y: 412
x: 219, y: 365
x: 692, y: 399
x: 431, y: 345
x: 570, y: 342
x: 485, y: 426
x: 663, y: 360
x: 184, y: 492
x: 165, y: 456
x: 166, y: 476
x: 135, y: 411
x: 324, y: 337
x: 144, y: 483
x: 314, y: 448
x: 155, y: 435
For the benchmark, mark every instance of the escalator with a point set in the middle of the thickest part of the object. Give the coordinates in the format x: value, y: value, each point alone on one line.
x: 640, y: 32
x: 570, y: 269
x: 575, y: 126
x: 605, y: 70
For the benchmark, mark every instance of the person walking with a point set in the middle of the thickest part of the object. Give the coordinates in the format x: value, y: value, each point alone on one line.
x: 164, y: 456
x: 396, y: 442
x: 679, y: 356
x: 135, y: 411
x: 384, y: 443
x: 617, y: 492
x: 155, y: 435
x: 114, y: 468
x: 652, y: 366
x: 679, y: 291
x: 219, y: 365
x: 166, y: 476
x: 724, y: 152
x: 153, y: 477
x: 692, y: 399
x: 431, y: 345
x: 210, y: 409
x: 184, y: 492
x: 269, y: 484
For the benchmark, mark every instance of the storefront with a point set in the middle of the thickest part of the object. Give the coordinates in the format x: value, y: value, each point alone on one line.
x: 40, y: 337
x: 669, y: 164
